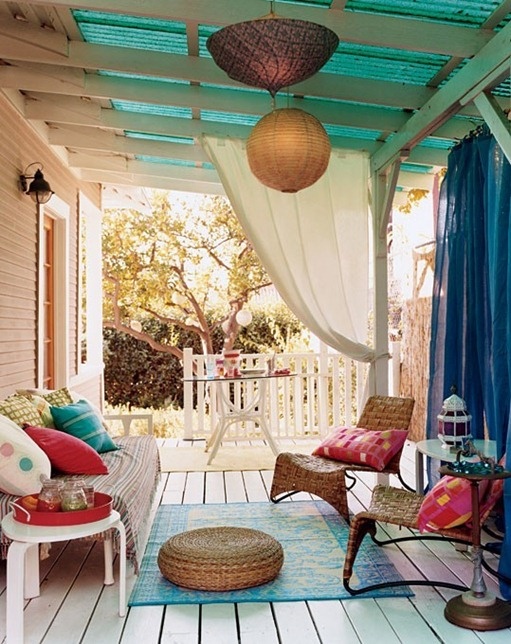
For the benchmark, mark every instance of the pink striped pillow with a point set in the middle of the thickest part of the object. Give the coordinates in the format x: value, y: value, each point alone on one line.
x: 448, y: 504
x: 372, y: 447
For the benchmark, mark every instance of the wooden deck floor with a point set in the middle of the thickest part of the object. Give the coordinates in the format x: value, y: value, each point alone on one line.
x: 75, y: 607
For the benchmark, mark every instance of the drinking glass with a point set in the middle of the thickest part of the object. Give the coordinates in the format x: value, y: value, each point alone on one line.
x: 210, y: 367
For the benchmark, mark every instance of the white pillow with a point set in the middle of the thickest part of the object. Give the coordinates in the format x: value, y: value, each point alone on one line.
x: 22, y: 461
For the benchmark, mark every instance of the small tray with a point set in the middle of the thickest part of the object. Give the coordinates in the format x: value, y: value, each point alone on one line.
x: 102, y: 509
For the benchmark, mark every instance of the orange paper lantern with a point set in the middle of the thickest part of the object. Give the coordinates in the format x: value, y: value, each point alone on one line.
x: 288, y: 150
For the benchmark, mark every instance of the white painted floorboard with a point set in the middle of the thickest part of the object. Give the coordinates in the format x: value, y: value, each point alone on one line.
x: 75, y: 608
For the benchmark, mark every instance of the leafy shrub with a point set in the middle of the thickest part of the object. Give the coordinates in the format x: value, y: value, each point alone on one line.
x: 167, y: 422
x: 138, y: 376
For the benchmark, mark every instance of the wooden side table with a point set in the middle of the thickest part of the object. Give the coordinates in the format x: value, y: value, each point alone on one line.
x: 476, y: 608
x: 23, y: 562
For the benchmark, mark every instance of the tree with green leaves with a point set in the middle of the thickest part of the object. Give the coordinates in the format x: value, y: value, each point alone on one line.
x: 186, y: 263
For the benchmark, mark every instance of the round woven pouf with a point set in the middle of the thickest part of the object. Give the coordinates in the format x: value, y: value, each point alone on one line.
x: 220, y: 558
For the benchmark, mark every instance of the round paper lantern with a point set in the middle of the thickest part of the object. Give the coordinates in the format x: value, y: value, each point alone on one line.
x: 243, y: 317
x: 288, y: 150
x: 178, y: 298
x: 136, y: 325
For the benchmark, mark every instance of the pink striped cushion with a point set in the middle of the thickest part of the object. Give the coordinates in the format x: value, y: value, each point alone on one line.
x: 371, y: 447
x: 448, y: 504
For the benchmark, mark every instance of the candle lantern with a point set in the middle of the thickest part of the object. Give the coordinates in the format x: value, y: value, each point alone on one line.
x: 454, y: 421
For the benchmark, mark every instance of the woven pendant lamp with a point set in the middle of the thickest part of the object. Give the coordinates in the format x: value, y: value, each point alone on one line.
x: 288, y: 150
x: 272, y: 52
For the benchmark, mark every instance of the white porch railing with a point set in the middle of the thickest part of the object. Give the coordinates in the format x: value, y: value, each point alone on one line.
x: 326, y: 391
x: 126, y: 421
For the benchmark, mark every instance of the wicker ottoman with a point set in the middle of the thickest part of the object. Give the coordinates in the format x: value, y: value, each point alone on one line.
x: 220, y: 558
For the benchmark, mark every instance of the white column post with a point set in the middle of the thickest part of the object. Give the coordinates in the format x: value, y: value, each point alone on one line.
x: 188, y: 393
x: 381, y: 380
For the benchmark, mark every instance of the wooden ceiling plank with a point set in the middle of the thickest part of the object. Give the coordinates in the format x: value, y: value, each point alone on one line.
x: 416, y: 180
x: 76, y: 83
x: 74, y: 111
x: 443, y: 73
x: 408, y: 34
x: 79, y: 123
x: 117, y: 163
x: 379, y: 30
x: 107, y: 162
x: 201, y: 70
x: 190, y: 183
x: 77, y: 110
x: 19, y: 34
x: 71, y: 114
x: 447, y: 99
x: 406, y: 180
x: 41, y: 78
x: 387, y: 199
x: 86, y: 138
x: 497, y: 121
x: 91, y: 138
x: 498, y: 15
x: 490, y: 79
x: 69, y: 81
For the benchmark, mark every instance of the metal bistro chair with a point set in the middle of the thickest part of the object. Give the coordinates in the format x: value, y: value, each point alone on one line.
x: 325, y: 477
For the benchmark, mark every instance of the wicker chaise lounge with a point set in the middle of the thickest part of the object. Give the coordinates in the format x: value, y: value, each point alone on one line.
x: 401, y: 507
x: 326, y: 478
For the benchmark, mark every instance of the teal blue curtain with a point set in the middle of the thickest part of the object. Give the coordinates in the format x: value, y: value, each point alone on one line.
x: 471, y: 314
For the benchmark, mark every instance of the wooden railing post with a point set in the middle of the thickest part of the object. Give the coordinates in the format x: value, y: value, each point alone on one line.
x: 320, y: 394
x: 323, y: 378
x: 188, y: 393
x: 395, y: 363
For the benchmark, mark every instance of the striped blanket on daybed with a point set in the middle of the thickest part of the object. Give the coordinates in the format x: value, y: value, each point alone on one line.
x: 132, y: 479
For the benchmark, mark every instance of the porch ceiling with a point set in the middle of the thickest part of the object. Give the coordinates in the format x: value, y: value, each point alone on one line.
x: 124, y: 88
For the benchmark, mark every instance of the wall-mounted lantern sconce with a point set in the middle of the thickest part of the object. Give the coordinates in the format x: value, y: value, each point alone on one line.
x: 39, y: 189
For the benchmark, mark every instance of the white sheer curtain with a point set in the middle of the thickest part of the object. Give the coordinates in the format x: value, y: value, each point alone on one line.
x: 314, y: 243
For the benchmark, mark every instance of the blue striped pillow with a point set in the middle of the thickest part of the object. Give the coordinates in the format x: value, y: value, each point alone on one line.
x: 80, y: 420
